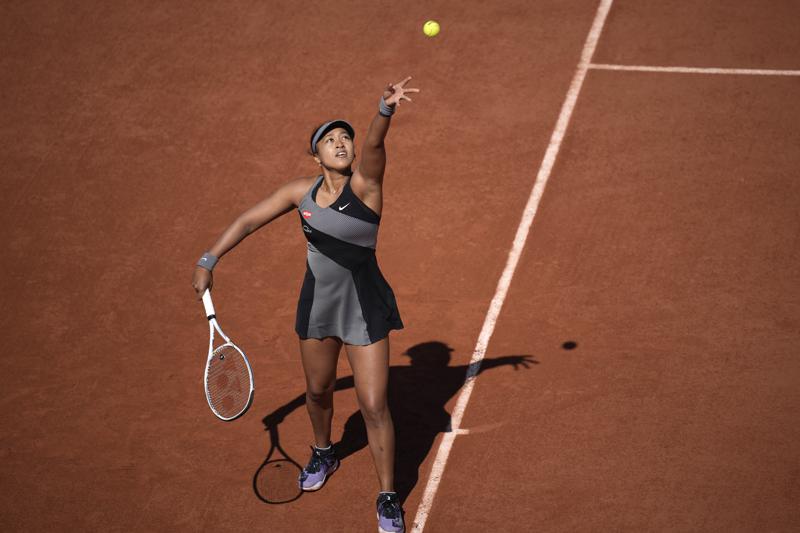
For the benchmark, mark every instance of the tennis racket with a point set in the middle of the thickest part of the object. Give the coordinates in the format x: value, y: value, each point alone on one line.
x: 228, y: 377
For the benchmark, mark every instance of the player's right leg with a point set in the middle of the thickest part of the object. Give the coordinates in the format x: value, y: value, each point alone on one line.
x: 319, y: 358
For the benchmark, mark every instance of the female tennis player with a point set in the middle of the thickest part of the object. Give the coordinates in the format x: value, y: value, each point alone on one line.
x: 344, y: 299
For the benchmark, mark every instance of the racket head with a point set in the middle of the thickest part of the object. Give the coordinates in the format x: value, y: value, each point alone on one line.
x: 228, y: 382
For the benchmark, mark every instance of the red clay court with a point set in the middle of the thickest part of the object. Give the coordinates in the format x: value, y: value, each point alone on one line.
x: 595, y: 202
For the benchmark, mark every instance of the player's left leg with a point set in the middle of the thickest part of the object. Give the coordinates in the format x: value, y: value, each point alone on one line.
x: 370, y: 366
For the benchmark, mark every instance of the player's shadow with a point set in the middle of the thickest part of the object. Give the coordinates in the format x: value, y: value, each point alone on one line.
x: 417, y: 397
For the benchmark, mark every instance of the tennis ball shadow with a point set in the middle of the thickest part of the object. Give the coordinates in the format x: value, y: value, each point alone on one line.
x: 569, y: 345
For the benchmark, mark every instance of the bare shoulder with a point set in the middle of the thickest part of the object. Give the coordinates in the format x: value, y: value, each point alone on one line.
x: 305, y: 181
x: 370, y: 192
x: 296, y: 188
x: 363, y: 186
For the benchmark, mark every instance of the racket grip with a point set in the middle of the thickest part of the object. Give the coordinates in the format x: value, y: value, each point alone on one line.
x: 208, y: 305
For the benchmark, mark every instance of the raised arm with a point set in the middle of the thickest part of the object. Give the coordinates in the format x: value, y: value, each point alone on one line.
x: 278, y: 203
x: 369, y: 175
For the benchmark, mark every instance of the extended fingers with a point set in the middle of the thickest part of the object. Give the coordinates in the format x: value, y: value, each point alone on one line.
x: 401, y: 93
x: 400, y: 85
x: 401, y: 98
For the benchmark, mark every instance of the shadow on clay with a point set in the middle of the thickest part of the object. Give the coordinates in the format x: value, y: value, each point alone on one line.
x: 417, y: 397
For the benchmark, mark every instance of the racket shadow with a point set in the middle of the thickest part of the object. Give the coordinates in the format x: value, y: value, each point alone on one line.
x: 417, y: 396
x: 276, y: 480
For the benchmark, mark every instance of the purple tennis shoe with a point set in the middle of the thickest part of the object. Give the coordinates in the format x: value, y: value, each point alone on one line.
x: 322, y: 464
x: 390, y: 513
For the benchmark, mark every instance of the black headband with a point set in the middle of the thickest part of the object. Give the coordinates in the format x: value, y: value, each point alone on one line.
x: 328, y: 126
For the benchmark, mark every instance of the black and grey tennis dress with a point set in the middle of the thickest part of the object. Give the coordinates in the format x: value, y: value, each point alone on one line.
x: 344, y: 293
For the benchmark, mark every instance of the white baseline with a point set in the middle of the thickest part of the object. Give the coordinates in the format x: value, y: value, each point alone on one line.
x: 511, y: 264
x: 696, y: 70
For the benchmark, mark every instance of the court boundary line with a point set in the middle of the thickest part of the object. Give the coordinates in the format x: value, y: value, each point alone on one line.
x: 556, y: 138
x: 695, y: 70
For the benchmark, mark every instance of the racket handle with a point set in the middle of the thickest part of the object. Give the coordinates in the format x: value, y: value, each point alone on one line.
x: 208, y: 305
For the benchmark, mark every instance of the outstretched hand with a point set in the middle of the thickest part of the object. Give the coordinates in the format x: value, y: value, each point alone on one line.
x: 396, y: 92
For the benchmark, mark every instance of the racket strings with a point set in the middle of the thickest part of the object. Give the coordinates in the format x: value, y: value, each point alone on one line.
x: 228, y: 381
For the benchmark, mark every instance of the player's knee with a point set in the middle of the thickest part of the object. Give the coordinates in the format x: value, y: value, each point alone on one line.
x: 375, y: 413
x: 319, y: 393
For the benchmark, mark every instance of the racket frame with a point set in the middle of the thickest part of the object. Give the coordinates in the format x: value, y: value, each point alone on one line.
x: 214, y: 325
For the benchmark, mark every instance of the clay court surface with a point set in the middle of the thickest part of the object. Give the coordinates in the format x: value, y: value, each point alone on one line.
x: 666, y: 248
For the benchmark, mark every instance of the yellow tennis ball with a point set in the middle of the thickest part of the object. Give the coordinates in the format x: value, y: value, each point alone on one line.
x: 431, y: 28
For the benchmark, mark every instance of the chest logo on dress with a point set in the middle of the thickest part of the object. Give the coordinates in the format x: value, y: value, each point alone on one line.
x: 306, y: 214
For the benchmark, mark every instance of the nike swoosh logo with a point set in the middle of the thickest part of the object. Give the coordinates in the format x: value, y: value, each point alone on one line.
x: 345, y: 205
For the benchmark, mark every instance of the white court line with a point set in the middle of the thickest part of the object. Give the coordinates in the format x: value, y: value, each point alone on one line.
x: 511, y: 264
x: 697, y: 70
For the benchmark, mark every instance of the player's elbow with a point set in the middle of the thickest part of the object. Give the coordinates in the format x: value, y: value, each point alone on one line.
x: 245, y: 225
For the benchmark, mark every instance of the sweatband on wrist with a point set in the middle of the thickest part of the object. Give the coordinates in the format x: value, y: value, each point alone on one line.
x: 384, y: 109
x: 207, y: 261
